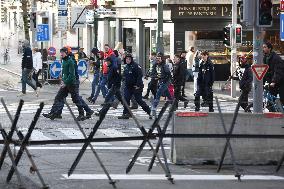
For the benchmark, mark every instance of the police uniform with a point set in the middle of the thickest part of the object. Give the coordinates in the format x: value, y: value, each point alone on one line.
x: 205, y: 82
x: 134, y: 86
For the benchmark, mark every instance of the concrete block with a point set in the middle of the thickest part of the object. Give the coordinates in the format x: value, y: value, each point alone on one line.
x: 247, y: 151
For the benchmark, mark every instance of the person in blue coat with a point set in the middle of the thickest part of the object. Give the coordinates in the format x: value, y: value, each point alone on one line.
x: 133, y: 86
x: 205, y: 80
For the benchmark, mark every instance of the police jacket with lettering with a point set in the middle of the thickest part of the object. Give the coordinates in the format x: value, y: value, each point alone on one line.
x: 162, y: 72
x: 206, y: 74
x: 133, y: 75
x: 275, y: 71
x: 113, y: 76
x: 27, y: 60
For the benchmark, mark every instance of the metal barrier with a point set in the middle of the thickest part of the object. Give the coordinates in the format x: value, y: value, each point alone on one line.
x: 146, y: 138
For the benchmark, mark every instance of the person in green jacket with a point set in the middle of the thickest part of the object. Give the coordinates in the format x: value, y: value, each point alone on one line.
x: 68, y: 85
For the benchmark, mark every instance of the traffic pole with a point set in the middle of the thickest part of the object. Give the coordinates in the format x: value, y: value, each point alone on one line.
x: 257, y: 59
x: 233, y: 45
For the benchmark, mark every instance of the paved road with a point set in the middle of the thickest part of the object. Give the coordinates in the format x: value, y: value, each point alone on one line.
x: 55, y: 160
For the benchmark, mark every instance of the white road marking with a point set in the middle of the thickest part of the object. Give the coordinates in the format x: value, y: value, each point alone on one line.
x: 115, y: 133
x: 79, y: 147
x: 162, y: 177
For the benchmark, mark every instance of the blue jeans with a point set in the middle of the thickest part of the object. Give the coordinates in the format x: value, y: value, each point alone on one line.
x: 95, y: 82
x: 101, y: 87
x: 26, y: 79
x: 162, y: 90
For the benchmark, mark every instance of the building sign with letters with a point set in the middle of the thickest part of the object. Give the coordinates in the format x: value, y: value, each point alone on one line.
x: 208, y: 11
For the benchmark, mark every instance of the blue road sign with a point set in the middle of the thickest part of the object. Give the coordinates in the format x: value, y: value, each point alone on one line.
x: 82, y: 67
x: 62, y: 12
x: 62, y: 2
x: 55, y: 69
x: 282, y: 26
x: 42, y: 32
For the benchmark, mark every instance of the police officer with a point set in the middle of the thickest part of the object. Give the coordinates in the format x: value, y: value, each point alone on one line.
x: 133, y: 86
x: 205, y: 82
x: 163, y: 74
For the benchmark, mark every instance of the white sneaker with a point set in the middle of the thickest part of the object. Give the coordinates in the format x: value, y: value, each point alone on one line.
x: 37, y: 91
x: 21, y: 94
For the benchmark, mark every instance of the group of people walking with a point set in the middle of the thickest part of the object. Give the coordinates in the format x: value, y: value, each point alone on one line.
x: 117, y: 76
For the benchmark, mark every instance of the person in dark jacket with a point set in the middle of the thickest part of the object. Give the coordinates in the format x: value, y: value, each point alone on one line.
x: 163, y: 74
x: 133, y: 86
x: 113, y: 84
x: 183, y: 63
x: 275, y: 73
x: 205, y: 82
x: 68, y: 85
x: 245, y: 82
x: 27, y: 68
x: 152, y: 85
x: 82, y: 54
x: 95, y: 61
x: 178, y: 79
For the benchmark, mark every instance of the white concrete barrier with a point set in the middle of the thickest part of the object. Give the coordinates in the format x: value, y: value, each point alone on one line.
x: 247, y: 151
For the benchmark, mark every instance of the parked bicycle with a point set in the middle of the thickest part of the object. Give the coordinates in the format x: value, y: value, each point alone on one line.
x: 269, y: 101
x: 6, y: 56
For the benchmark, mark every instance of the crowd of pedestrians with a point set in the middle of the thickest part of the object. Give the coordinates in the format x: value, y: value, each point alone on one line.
x: 117, y: 76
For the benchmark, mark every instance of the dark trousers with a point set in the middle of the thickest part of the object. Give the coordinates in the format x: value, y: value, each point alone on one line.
x: 128, y: 93
x: 63, y: 92
x: 207, y: 95
x: 183, y: 88
x: 35, y: 77
x: 244, y: 98
x: 114, y: 91
x: 152, y: 86
x: 177, y: 93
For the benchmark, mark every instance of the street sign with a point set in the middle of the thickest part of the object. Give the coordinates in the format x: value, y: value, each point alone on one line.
x: 62, y: 15
x: 55, y: 69
x: 282, y: 5
x: 76, y: 15
x: 42, y: 32
x: 51, y: 51
x: 259, y: 70
x: 282, y: 26
x: 62, y: 4
x: 82, y: 67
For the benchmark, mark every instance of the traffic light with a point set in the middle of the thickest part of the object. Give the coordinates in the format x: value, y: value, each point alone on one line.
x: 238, y: 32
x: 264, y: 13
x: 227, y: 36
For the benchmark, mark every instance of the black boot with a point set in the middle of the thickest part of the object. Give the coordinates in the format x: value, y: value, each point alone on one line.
x: 124, y: 116
x: 89, y: 114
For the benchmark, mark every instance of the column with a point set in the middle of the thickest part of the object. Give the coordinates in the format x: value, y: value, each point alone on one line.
x: 140, y: 44
x: 118, y: 32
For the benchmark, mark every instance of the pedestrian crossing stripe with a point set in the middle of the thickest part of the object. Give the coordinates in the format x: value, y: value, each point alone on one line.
x: 175, y: 177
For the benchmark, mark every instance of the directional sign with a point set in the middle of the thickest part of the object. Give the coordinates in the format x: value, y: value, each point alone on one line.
x: 42, y: 32
x: 282, y: 26
x: 259, y: 70
x: 51, y: 51
x: 82, y: 67
x: 55, y: 69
